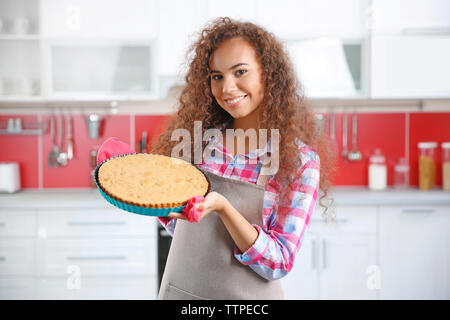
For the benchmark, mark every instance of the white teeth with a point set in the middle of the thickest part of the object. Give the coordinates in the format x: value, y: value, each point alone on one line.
x: 235, y: 100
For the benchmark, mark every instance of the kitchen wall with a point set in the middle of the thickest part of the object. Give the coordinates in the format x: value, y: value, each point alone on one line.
x: 397, y: 134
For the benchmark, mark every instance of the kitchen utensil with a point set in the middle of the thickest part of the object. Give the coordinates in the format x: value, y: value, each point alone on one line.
x: 332, y: 127
x: 62, y: 155
x: 143, y: 142
x: 344, y: 137
x: 9, y: 177
x: 354, y: 155
x: 53, y: 155
x: 69, y: 138
x: 94, y: 122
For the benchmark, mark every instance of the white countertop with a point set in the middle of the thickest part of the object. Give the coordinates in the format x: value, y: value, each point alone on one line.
x: 343, y: 196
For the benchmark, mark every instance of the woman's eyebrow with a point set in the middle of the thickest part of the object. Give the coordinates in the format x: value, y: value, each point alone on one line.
x: 233, y: 67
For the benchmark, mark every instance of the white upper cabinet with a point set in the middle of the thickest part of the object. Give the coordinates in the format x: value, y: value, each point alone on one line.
x: 235, y: 9
x: 407, y: 17
x: 178, y: 24
x: 410, y: 48
x: 99, y: 19
x: 293, y: 19
x: 410, y: 67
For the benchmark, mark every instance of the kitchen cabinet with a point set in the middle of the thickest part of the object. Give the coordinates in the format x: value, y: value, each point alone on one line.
x: 177, y: 31
x: 410, y: 66
x: 302, y: 281
x: 77, y: 253
x: 78, y: 50
x: 414, y: 255
x: 293, y: 19
x: 95, y: 288
x: 337, y: 257
x: 125, y: 19
x: 99, y: 69
x: 408, y: 17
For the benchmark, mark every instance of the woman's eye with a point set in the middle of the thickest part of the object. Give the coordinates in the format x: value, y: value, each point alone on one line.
x: 240, y: 72
x: 216, y: 77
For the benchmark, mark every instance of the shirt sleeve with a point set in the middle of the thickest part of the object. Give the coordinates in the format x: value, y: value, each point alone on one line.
x: 273, y: 253
x: 168, y: 224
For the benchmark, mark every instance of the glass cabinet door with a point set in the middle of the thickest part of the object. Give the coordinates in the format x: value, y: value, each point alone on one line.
x: 96, y: 70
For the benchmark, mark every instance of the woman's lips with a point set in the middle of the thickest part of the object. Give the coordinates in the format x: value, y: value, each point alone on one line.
x: 232, y: 103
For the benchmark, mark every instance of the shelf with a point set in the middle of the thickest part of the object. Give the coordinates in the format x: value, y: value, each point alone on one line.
x: 14, y: 37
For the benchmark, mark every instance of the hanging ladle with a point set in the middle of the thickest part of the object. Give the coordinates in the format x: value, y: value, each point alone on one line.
x: 354, y: 155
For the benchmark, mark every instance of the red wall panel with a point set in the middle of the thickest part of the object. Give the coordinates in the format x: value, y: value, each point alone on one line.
x: 427, y: 127
x: 395, y: 134
x: 22, y: 149
x: 77, y: 172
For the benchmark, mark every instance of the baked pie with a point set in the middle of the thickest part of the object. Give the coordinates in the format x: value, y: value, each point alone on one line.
x: 150, y: 180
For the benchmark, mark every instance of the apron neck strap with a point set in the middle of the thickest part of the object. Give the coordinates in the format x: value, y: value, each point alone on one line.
x: 262, y: 178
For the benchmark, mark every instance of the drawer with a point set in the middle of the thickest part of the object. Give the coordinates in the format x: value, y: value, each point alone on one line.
x: 17, y: 257
x: 17, y: 223
x: 18, y: 288
x: 352, y: 219
x: 87, y: 257
x: 94, y: 223
x: 95, y: 288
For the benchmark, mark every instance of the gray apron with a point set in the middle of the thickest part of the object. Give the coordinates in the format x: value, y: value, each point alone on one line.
x: 201, y: 262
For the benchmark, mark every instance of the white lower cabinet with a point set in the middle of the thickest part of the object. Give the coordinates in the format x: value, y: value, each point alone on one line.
x: 98, y: 257
x: 347, y: 260
x: 336, y: 258
x: 18, y: 287
x: 301, y: 283
x: 97, y: 288
x: 414, y: 252
x: 86, y: 253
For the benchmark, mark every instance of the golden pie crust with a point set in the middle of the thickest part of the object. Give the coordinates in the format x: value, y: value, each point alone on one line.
x: 151, y: 180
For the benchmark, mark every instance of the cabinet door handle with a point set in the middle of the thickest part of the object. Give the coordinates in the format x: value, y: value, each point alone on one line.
x: 313, y: 255
x: 418, y: 211
x: 90, y: 258
x: 95, y: 223
x: 324, y: 253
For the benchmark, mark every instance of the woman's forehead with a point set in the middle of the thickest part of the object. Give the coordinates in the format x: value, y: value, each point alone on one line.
x: 232, y: 52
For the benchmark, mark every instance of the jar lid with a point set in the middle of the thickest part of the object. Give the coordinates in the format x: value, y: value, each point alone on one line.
x: 377, y: 157
x: 428, y: 144
x: 445, y: 145
x: 401, y: 166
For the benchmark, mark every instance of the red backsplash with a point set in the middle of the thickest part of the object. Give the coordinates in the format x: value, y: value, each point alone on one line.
x: 395, y: 134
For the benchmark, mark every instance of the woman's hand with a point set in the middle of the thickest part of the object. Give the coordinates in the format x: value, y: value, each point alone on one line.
x: 214, y: 201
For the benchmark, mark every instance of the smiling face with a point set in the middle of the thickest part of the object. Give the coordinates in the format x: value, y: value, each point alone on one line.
x: 236, y: 78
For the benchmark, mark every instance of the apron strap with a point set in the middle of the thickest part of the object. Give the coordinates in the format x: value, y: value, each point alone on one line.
x: 262, y: 178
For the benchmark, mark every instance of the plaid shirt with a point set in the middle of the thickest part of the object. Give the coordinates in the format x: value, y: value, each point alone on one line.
x: 280, y: 236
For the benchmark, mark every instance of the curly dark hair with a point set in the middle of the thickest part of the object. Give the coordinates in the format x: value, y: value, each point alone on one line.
x: 283, y: 107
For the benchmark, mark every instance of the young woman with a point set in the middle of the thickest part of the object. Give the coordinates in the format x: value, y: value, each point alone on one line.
x: 251, y: 224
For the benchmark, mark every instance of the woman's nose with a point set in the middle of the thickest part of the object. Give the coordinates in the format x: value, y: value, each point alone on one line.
x: 229, y: 84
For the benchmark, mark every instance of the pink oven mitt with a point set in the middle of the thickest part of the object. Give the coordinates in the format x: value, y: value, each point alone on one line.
x: 192, y: 214
x: 113, y: 147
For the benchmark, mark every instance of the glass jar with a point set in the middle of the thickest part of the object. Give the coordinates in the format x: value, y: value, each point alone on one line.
x: 401, y: 174
x: 377, y: 171
x: 427, y: 165
x: 445, y: 146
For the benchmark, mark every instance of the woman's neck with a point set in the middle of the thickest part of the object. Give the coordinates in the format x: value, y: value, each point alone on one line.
x: 249, y: 122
